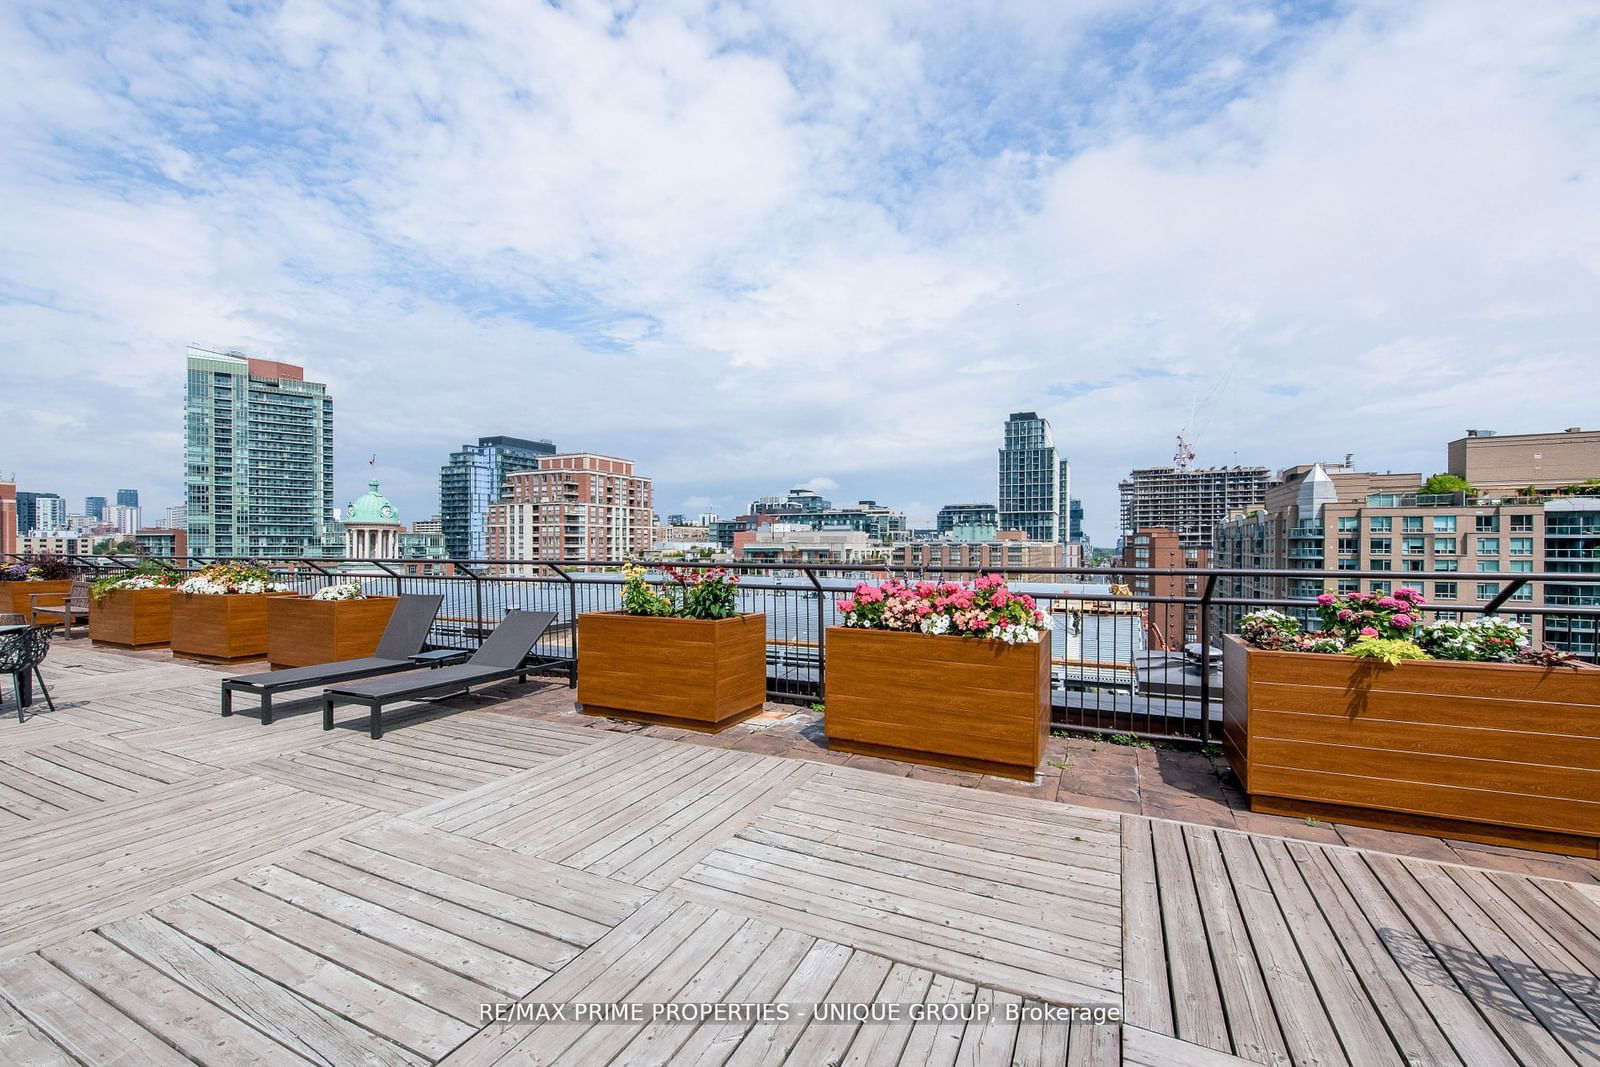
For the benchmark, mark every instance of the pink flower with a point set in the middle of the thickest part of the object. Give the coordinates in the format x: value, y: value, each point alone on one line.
x: 1345, y: 614
x: 1389, y: 602
x: 1367, y: 631
x: 1402, y: 621
x: 1325, y: 599
x: 1028, y: 602
x: 999, y: 598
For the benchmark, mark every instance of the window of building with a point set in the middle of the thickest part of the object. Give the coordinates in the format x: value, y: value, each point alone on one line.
x: 1380, y: 523
x: 1487, y: 566
x: 1522, y: 546
x: 1411, y: 564
x: 1446, y: 565
x: 1349, y: 585
x: 1379, y: 587
x: 1349, y: 522
x: 1380, y: 565
x: 1444, y: 590
x: 1488, y: 590
x: 1380, y: 546
x: 1522, y: 522
x: 1444, y: 546
x: 1349, y: 545
x: 1444, y: 524
x: 1488, y: 523
x: 1413, y: 546
x: 1350, y: 564
x: 1488, y: 546
x: 1448, y: 616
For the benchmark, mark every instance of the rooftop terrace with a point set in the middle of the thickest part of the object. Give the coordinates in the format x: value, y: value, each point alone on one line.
x: 184, y: 888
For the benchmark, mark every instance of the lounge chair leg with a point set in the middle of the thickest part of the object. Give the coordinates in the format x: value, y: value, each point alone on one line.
x: 327, y: 713
x: 523, y: 679
x: 51, y: 704
x: 375, y: 723
x: 266, y: 709
x: 227, y: 701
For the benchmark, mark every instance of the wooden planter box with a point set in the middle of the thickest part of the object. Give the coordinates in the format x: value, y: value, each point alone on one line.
x: 698, y: 674
x: 228, y: 627
x: 131, y: 618
x: 302, y: 632
x: 15, y: 596
x: 1495, y: 752
x: 970, y: 704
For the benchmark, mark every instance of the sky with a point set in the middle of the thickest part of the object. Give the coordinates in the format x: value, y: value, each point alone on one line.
x: 761, y: 245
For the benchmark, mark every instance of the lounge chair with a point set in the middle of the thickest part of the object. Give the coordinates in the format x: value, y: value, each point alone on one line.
x: 402, y: 638
x: 501, y: 656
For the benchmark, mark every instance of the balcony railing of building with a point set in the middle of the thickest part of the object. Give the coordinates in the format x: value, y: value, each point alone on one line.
x: 1121, y: 662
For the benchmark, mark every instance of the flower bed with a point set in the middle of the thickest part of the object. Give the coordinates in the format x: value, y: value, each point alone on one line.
x: 948, y: 674
x: 1453, y: 729
x: 678, y: 655
x: 44, y: 575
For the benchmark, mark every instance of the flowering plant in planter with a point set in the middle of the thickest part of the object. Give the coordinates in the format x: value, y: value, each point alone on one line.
x: 1352, y: 616
x: 984, y: 608
x: 340, y: 591
x: 1486, y: 639
x: 43, y: 568
x: 696, y: 594
x: 147, y: 575
x: 221, y: 579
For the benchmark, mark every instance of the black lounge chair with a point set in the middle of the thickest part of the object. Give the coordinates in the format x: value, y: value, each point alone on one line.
x: 501, y: 656
x: 402, y: 638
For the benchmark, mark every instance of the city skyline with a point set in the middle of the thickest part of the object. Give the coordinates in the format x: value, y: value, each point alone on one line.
x: 1291, y: 230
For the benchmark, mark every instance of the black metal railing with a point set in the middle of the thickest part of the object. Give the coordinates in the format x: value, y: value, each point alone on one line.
x: 1131, y: 662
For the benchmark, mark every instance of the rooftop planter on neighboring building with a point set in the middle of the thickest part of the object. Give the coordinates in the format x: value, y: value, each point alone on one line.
x: 1476, y: 746
x: 682, y: 656
x: 338, y: 623
x: 946, y: 674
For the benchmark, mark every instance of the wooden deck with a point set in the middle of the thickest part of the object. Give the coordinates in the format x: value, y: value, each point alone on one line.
x: 182, y: 888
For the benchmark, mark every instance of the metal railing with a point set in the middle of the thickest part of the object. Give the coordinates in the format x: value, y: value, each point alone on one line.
x: 1126, y: 663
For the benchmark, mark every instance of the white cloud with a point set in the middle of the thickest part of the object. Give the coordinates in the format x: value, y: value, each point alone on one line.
x: 742, y: 243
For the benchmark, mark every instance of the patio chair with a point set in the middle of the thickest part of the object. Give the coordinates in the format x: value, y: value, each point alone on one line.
x: 501, y: 656
x: 21, y: 652
x: 402, y: 639
x: 74, y: 605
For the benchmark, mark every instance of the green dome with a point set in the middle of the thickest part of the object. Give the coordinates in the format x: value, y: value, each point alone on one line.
x: 372, y: 507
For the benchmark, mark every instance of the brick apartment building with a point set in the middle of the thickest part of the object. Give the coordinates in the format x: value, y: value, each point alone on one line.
x: 577, y: 506
x: 1011, y: 550
x: 1528, y: 512
x: 1167, y: 626
x: 8, y: 517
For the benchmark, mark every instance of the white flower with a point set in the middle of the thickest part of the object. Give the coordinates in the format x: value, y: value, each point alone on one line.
x: 341, y: 591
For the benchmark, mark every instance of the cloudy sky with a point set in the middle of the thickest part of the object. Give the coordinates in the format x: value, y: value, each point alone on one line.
x: 756, y: 245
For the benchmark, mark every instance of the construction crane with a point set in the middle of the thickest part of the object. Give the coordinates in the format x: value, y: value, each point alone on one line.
x: 1184, y: 455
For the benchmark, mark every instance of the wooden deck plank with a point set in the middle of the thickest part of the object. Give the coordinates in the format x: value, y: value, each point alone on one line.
x: 308, y: 1029
x: 23, y: 1043
x: 77, y: 1019
x: 1198, y: 1015
x: 1146, y: 982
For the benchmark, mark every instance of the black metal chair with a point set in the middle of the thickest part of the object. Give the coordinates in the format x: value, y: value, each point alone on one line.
x: 21, y: 652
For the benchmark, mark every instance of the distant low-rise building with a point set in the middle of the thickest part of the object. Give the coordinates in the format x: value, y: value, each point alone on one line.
x: 952, y: 515
x: 163, y: 543
x: 786, y: 543
x: 1009, y: 550
x: 55, y: 543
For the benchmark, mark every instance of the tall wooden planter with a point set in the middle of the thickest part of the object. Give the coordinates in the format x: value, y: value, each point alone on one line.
x: 17, y: 596
x: 1495, y: 752
x: 229, y: 627
x: 969, y: 704
x: 131, y: 618
x: 698, y: 674
x: 302, y: 632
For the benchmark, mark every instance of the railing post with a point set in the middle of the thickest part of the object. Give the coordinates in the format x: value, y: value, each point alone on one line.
x: 572, y: 630
x: 822, y: 631
x: 1205, y: 657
